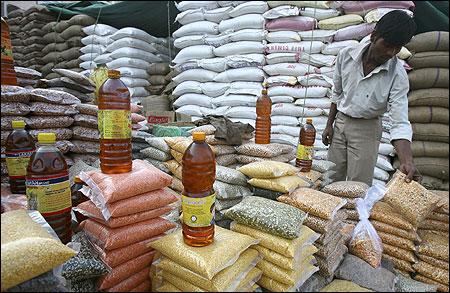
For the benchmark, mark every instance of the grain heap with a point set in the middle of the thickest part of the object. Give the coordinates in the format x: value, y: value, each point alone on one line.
x: 127, y: 211
x: 325, y: 216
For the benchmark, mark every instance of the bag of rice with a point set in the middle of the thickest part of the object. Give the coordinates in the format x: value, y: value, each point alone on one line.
x: 268, y: 169
x: 284, y: 184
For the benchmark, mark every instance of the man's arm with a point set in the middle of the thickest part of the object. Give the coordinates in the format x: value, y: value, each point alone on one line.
x: 327, y: 134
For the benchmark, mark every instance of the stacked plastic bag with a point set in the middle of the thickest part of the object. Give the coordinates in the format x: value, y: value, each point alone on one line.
x: 250, y: 152
x: 326, y: 217
x: 284, y: 243
x: 63, y: 40
x: 221, y: 51
x: 126, y: 212
x: 27, y: 35
x: 428, y: 107
x: 228, y: 264
x: 27, y: 77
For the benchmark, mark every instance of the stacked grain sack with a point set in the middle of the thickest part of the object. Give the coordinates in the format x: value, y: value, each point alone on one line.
x: 428, y: 107
x: 221, y: 50
x: 64, y: 44
x: 29, y: 41
x: 285, y: 245
x: 250, y: 152
x: 13, y: 20
x: 226, y: 265
x: 27, y: 77
x: 126, y: 212
x: 326, y: 217
x: 294, y: 59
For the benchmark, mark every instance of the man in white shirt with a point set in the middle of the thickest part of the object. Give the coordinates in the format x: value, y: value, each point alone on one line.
x: 369, y: 81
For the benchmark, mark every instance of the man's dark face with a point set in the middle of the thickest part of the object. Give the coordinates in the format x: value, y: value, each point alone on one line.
x: 382, y: 51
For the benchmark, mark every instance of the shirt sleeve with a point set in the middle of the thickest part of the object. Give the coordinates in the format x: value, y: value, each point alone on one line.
x: 337, y: 81
x: 398, y: 107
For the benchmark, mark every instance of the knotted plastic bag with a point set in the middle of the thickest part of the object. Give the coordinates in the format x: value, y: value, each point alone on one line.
x: 365, y: 242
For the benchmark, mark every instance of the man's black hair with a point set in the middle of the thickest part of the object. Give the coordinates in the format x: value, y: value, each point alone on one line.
x: 396, y: 28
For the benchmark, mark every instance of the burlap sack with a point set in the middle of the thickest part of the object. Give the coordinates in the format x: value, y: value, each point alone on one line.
x: 61, y: 26
x: 430, y: 132
x: 73, y: 31
x: 49, y: 27
x: 158, y: 69
x: 425, y: 78
x: 430, y: 149
x: 34, y: 40
x: 424, y: 114
x: 434, y: 183
x: 53, y: 57
x: 433, y: 167
x: 53, y: 37
x: 32, y: 48
x: 429, y: 97
x: 81, y: 19
x: 35, y: 24
x: 74, y: 41
x: 429, y: 59
x: 70, y: 54
x: 55, y: 47
x: 16, y: 13
x: 430, y: 41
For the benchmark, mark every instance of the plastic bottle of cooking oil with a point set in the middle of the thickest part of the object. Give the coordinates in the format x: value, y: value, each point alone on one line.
x: 48, y: 186
x: 198, y: 199
x: 8, y: 76
x: 263, y: 121
x: 114, y: 124
x: 19, y: 148
x: 305, y: 149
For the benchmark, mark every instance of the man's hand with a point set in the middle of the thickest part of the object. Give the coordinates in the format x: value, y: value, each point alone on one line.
x: 404, y: 152
x: 327, y: 135
x: 411, y: 172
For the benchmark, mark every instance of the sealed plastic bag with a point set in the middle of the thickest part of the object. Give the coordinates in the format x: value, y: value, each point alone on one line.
x: 365, y: 242
x: 285, y: 184
x: 268, y: 169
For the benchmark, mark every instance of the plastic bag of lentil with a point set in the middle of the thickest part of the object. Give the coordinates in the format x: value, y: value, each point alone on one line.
x: 386, y: 228
x: 11, y: 93
x: 284, y: 184
x: 325, y: 226
x: 397, y: 241
x: 268, y: 170
x: 384, y: 213
x: 230, y: 176
x: 434, y: 261
x: 432, y: 272
x: 223, y: 204
x: 177, y: 156
x: 249, y: 281
x: 226, y: 160
x: 365, y: 242
x: 288, y: 277
x: 175, y: 168
x: 229, y: 191
x: 287, y: 263
x: 433, y: 245
x: 265, y: 193
x: 260, y: 150
x: 351, y: 189
x: 311, y: 176
x: 145, y: 286
x: 399, y: 264
x: 47, y: 282
x: 155, y: 154
x: 322, y: 165
x: 131, y: 282
x: 210, y: 260
x: 411, y: 200
x: 158, y: 143
x: 329, y: 266
x: 88, y: 285
x: 270, y: 216
x: 400, y: 253
x: 301, y: 276
x: 344, y: 286
x: 441, y: 287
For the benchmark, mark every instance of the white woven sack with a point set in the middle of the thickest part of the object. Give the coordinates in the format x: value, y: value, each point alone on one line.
x: 128, y: 62
x: 131, y: 43
x: 257, y: 7
x: 289, y: 69
x: 191, y: 110
x: 88, y: 65
x: 241, y: 112
x: 89, y: 57
x: 240, y: 74
x: 276, y: 58
x: 295, y: 47
x: 384, y: 163
x: 284, y: 120
x: 283, y: 139
x: 186, y: 5
x: 135, y: 33
x: 189, y: 16
x: 219, y: 111
x: 318, y: 121
x: 282, y: 11
x: 325, y: 70
x: 194, y: 52
x: 187, y: 87
x: 286, y: 110
x: 288, y: 130
x: 315, y: 80
x: 218, y: 14
x: 380, y: 174
x: 98, y: 49
x: 244, y: 88
x: 280, y: 80
x: 138, y: 92
x: 133, y: 72
x: 103, y: 58
x: 200, y: 75
x: 217, y: 40
x: 242, y: 22
x: 281, y: 99
x: 386, y: 149
x: 376, y: 14
x: 235, y: 100
x: 378, y: 182
x: 214, y: 64
x: 230, y: 3
x: 318, y: 60
x: 319, y: 14
x: 99, y: 30
x: 188, y: 41
x: 135, y: 82
x: 322, y: 103
x: 283, y: 37
x: 248, y: 60
x: 313, y: 4
x: 335, y: 47
x: 298, y: 91
x: 96, y: 40
x: 240, y: 48
x: 197, y: 28
x: 214, y: 89
x: 193, y: 99
x: 309, y: 112
x: 325, y: 36
x: 320, y: 155
x: 135, y: 53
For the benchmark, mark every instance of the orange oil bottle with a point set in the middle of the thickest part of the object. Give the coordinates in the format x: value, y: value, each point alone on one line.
x: 305, y: 149
x: 263, y: 121
x: 8, y: 76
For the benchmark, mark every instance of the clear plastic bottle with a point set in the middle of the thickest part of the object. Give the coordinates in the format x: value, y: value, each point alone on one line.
x: 198, y: 199
x: 19, y: 148
x: 114, y: 124
x: 48, y: 186
x: 263, y: 121
x: 305, y: 149
x: 8, y: 76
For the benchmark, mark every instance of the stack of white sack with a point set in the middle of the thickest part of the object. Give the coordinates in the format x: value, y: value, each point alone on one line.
x: 221, y: 54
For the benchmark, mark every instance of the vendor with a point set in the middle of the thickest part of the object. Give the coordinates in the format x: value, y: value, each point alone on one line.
x: 369, y: 80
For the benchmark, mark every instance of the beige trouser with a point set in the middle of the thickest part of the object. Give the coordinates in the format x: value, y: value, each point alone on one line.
x: 354, y: 148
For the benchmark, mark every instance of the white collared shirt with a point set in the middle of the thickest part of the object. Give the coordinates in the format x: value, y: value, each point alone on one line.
x: 383, y: 90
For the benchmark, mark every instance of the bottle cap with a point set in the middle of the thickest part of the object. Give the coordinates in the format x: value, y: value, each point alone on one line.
x: 77, y: 180
x: 47, y: 137
x: 264, y: 92
x: 18, y: 124
x: 199, y: 136
x: 309, y: 120
x: 113, y: 73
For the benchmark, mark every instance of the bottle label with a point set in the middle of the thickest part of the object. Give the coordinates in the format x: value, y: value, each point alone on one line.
x: 305, y: 152
x: 49, y: 195
x: 198, y: 212
x: 6, y: 48
x: 114, y: 124
x: 17, y: 163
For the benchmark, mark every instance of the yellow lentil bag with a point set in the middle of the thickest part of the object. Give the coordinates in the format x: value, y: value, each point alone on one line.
x: 287, y: 263
x: 209, y: 260
x: 344, y: 286
x: 18, y: 224
x: 285, y: 184
x: 247, y: 284
x: 268, y: 169
x: 167, y: 287
x: 226, y: 280
x: 180, y: 144
x: 301, y: 276
x: 283, y: 246
x: 175, y: 168
x: 288, y: 277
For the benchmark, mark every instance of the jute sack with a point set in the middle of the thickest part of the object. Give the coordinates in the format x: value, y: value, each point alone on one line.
x: 430, y: 149
x: 429, y: 59
x: 434, y: 183
x: 428, y: 115
x: 433, y: 167
x: 429, y: 97
x: 430, y: 41
x: 430, y: 132
x: 425, y: 78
